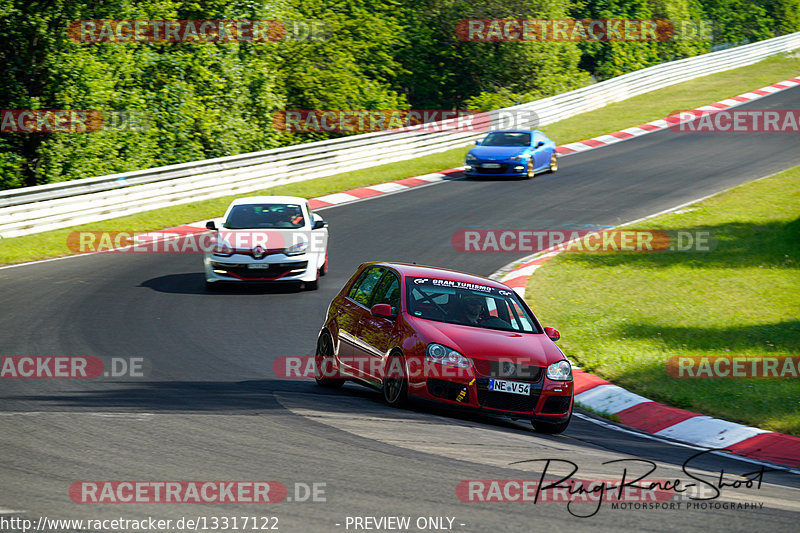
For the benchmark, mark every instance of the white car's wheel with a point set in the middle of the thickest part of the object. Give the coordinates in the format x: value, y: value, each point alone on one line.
x: 324, y: 268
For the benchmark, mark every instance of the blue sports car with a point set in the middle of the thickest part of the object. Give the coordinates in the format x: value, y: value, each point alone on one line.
x: 512, y: 153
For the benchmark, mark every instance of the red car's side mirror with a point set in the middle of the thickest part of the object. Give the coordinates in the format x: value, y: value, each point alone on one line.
x: 382, y: 310
x: 552, y: 333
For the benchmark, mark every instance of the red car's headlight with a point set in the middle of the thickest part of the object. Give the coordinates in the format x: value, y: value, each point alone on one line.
x: 560, y: 371
x: 441, y: 354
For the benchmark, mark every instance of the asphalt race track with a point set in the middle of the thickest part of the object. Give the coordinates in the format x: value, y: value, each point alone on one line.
x: 211, y: 407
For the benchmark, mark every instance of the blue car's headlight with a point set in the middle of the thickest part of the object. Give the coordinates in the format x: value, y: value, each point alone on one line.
x: 471, y: 157
x: 518, y: 157
x: 560, y: 371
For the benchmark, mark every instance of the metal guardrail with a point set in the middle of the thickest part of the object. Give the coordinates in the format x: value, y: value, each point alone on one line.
x: 59, y: 205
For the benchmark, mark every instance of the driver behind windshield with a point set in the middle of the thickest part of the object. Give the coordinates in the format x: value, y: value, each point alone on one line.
x: 471, y: 308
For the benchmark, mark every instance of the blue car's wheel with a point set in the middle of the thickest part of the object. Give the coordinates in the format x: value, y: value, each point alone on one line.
x: 531, y: 170
x: 553, y: 163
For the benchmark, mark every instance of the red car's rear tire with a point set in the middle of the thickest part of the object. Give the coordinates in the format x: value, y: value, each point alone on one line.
x: 324, y: 363
x: 395, y: 384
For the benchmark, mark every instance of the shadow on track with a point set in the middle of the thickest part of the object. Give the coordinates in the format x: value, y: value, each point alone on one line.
x: 193, y: 283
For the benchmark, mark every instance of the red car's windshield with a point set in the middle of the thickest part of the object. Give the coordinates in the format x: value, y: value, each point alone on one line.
x: 469, y: 304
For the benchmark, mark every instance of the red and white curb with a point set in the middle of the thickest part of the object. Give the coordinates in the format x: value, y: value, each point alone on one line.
x: 338, y: 198
x: 658, y: 125
x: 381, y: 189
x: 601, y: 396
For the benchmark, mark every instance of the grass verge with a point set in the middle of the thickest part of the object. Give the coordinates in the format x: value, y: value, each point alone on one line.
x: 637, y: 110
x: 624, y: 315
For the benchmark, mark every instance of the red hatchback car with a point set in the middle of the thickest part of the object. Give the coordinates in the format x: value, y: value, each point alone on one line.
x: 446, y: 336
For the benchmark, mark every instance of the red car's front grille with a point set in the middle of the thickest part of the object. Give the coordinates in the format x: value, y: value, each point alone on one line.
x: 507, y: 370
x: 507, y: 402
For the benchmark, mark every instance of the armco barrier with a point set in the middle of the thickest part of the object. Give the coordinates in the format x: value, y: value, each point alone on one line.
x: 59, y: 205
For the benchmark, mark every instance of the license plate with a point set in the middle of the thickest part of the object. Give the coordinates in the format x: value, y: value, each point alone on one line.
x: 513, y: 387
x: 491, y: 165
x: 259, y: 266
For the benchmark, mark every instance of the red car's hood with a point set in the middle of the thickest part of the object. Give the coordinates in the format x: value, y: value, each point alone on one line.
x: 488, y: 344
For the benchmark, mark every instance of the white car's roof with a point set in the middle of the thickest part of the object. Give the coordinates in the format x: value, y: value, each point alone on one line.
x: 268, y: 200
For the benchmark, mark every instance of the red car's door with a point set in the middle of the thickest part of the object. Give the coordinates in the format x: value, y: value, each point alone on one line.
x: 376, y: 332
x: 353, y: 311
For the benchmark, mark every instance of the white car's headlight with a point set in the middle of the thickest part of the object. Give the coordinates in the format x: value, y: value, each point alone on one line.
x: 471, y: 157
x: 445, y: 356
x: 297, y: 249
x: 560, y: 371
x: 223, y: 248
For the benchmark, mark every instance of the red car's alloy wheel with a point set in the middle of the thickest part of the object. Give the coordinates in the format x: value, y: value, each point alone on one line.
x: 395, y: 385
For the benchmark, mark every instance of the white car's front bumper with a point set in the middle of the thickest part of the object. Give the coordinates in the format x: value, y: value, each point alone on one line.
x: 274, y: 267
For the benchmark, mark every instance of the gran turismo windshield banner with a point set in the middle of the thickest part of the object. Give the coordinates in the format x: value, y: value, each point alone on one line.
x: 447, y: 285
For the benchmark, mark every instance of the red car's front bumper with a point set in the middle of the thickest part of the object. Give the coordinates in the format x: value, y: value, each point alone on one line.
x: 548, y: 400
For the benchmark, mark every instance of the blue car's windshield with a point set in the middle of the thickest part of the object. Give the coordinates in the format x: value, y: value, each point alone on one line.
x: 507, y: 139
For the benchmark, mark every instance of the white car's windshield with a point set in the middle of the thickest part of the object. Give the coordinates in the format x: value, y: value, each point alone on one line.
x: 468, y: 304
x: 265, y: 216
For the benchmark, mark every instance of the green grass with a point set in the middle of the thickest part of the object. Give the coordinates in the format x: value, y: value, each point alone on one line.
x: 687, y: 95
x: 631, y: 112
x: 623, y: 315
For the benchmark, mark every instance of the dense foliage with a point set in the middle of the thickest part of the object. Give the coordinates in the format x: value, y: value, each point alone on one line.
x: 205, y: 100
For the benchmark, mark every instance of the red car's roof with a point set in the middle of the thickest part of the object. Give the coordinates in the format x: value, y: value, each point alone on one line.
x: 440, y: 273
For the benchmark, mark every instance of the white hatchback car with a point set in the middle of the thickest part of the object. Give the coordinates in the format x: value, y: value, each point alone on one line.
x: 268, y: 239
